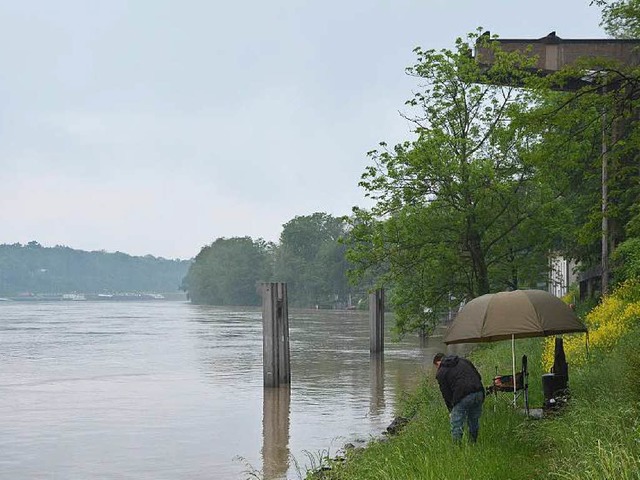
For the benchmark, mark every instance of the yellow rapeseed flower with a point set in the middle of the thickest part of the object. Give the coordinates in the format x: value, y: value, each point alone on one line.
x: 607, y: 322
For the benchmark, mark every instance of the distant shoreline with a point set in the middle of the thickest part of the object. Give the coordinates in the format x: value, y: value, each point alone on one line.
x: 116, y: 297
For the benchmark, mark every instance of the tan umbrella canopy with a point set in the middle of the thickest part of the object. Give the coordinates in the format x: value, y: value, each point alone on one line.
x: 511, y: 315
x: 517, y: 314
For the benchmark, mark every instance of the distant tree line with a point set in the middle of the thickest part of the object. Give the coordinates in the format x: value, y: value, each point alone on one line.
x: 32, y: 268
x: 309, y: 257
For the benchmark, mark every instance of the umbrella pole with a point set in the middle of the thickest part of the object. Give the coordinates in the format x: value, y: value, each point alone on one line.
x: 513, y: 365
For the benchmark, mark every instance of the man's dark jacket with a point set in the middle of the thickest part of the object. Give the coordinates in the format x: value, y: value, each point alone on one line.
x: 457, y: 378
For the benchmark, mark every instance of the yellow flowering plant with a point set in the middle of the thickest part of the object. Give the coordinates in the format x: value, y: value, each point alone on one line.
x: 614, y: 316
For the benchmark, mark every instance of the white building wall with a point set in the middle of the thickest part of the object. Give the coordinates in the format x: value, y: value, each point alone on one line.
x: 561, y: 275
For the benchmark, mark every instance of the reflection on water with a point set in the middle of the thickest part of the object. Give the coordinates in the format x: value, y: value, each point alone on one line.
x: 171, y: 391
x: 376, y: 380
x: 275, y: 432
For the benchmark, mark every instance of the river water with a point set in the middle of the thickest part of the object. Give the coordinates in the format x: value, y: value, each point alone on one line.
x: 169, y: 390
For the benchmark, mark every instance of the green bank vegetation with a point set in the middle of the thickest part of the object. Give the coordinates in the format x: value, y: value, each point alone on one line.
x: 595, y: 436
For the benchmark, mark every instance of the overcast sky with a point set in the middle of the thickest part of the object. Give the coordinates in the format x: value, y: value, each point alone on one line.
x: 157, y: 126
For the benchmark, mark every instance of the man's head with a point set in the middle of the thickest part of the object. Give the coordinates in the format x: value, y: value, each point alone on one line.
x: 437, y: 358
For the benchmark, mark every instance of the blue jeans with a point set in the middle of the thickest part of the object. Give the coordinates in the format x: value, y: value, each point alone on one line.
x: 470, y: 407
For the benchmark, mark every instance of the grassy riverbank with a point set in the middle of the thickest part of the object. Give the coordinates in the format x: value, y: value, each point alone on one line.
x: 596, y: 436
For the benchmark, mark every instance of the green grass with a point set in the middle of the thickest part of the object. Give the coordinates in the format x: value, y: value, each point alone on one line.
x: 597, y: 436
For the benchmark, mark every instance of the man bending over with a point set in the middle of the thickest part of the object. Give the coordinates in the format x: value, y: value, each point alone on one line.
x: 463, y: 393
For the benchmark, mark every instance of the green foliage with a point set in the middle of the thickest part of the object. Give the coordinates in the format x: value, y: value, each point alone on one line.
x: 621, y: 19
x: 311, y: 259
x: 463, y: 209
x: 567, y: 158
x: 589, y: 115
x: 425, y: 396
x: 498, y: 177
x: 626, y: 258
x: 55, y: 270
x: 228, y: 272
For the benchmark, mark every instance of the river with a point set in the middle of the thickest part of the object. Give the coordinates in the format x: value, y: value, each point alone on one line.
x: 168, y: 390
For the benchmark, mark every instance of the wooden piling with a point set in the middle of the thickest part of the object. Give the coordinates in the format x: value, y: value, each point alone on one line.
x: 275, y: 335
x: 376, y: 321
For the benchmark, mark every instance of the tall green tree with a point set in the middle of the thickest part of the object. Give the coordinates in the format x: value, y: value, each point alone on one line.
x: 228, y: 272
x: 462, y: 210
x: 311, y: 259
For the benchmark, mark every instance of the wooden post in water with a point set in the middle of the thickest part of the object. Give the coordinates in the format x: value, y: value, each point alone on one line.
x: 376, y: 321
x: 275, y: 335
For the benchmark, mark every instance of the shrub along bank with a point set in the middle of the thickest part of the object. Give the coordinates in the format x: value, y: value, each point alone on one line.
x: 595, y: 436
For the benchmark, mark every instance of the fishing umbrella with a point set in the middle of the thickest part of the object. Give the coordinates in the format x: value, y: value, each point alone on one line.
x: 510, y: 315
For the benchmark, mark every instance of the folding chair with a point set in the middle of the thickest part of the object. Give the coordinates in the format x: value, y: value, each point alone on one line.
x: 504, y: 383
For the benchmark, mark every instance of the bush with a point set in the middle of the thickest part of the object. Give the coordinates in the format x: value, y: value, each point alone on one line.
x: 607, y: 323
x: 626, y: 260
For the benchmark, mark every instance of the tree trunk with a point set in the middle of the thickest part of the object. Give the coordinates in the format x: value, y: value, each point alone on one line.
x: 478, y: 263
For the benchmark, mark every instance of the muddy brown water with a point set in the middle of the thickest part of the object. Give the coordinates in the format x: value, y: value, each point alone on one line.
x: 168, y: 390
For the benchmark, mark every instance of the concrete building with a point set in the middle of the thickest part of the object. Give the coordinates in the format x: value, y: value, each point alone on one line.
x: 554, y: 53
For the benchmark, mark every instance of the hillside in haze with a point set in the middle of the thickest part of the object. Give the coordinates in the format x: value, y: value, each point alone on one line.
x: 34, y: 269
